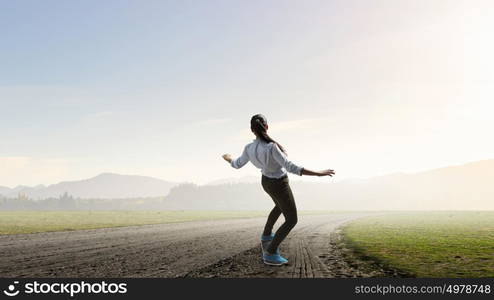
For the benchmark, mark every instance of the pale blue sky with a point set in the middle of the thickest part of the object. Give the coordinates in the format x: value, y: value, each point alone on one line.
x: 163, y: 88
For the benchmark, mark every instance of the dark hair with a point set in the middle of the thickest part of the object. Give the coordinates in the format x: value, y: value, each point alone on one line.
x: 258, y: 124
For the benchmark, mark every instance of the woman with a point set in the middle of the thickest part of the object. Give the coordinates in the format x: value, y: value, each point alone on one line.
x: 269, y: 156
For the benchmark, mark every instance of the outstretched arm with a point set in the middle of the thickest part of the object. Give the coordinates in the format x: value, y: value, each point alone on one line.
x: 282, y: 159
x: 239, y: 162
x: 227, y: 157
x: 328, y: 172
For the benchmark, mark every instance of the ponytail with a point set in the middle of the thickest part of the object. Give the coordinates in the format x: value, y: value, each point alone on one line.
x: 258, y: 125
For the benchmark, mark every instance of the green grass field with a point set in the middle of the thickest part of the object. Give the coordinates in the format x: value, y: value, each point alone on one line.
x: 14, y: 222
x: 427, y: 244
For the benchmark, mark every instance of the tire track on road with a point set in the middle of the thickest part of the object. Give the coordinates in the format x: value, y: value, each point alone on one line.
x: 308, y: 240
x: 226, y: 248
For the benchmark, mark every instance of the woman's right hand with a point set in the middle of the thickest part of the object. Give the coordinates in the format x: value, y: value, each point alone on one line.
x: 227, y: 157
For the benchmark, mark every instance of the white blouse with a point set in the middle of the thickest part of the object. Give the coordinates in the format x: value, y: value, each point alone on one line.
x: 268, y: 157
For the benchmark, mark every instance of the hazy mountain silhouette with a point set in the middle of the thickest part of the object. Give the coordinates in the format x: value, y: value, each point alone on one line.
x: 244, y: 179
x: 4, y: 190
x: 106, y: 185
x: 465, y: 187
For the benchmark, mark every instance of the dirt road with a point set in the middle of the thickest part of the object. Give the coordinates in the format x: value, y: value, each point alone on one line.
x: 225, y: 248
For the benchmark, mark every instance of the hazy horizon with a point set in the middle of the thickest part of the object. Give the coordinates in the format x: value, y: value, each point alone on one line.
x: 162, y: 89
x: 466, y: 187
x: 250, y: 178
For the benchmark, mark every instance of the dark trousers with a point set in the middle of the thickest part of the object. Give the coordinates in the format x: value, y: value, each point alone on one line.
x: 280, y: 192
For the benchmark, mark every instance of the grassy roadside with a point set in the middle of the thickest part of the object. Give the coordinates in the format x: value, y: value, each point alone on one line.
x: 427, y: 244
x: 15, y: 222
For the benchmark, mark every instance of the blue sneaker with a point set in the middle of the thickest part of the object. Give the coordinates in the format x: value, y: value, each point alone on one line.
x: 265, y: 240
x: 274, y: 259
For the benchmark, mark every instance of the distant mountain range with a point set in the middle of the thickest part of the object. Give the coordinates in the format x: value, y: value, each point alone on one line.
x: 110, y: 186
x: 464, y: 187
x: 106, y: 185
x: 244, y: 179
